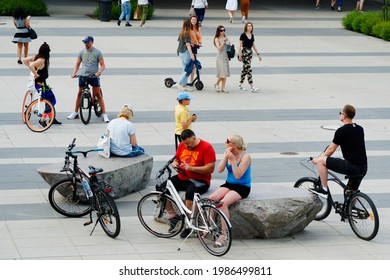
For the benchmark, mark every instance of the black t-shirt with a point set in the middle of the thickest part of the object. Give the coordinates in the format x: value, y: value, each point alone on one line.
x: 350, y: 137
x: 43, y: 75
x: 246, y: 42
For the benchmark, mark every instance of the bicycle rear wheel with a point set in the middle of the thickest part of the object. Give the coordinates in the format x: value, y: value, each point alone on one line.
x: 69, y: 199
x: 96, y: 105
x: 85, y: 107
x: 217, y: 237
x: 363, y: 216
x: 108, y: 214
x: 28, y: 98
x: 35, y: 112
x: 309, y: 183
x: 160, y: 215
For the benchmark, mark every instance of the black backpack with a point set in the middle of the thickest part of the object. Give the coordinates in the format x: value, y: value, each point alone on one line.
x: 230, y: 51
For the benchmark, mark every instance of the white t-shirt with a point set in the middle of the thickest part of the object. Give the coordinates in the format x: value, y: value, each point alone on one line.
x: 120, y: 131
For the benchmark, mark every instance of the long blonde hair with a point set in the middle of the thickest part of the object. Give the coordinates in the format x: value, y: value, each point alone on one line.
x: 186, y: 29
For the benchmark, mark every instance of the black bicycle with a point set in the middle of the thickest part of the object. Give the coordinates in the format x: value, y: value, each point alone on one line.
x: 81, y: 194
x: 357, y: 208
x: 88, y: 100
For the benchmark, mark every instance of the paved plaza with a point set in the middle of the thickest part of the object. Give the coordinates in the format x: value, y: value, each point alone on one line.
x: 311, y: 68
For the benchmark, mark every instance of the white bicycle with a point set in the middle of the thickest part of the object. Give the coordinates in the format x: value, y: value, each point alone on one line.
x: 163, y: 214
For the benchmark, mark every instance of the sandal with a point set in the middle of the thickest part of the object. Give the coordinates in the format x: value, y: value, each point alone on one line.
x: 224, y: 91
x: 217, y: 88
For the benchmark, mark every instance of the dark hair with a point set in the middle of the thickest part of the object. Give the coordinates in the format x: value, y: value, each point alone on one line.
x: 19, y: 13
x: 186, y: 133
x: 246, y: 27
x: 217, y: 32
x: 44, y: 52
x: 349, y: 111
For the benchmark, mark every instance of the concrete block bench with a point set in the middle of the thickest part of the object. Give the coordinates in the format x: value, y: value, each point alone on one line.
x: 270, y: 211
x: 125, y: 175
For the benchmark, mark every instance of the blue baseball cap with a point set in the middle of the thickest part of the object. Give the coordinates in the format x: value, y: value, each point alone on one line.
x: 87, y: 39
x: 183, y: 95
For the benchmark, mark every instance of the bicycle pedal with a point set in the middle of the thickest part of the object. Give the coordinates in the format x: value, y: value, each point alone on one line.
x: 87, y: 223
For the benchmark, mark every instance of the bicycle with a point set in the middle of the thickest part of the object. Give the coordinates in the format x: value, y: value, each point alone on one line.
x: 163, y: 214
x: 87, y: 100
x: 357, y: 207
x: 36, y: 109
x: 81, y: 194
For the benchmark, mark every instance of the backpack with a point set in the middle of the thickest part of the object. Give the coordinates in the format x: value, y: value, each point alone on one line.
x: 230, y: 51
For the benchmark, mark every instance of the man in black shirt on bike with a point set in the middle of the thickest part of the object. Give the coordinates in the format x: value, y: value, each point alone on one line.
x: 350, y: 137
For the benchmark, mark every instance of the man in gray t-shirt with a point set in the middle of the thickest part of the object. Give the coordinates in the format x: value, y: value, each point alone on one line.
x: 91, y: 59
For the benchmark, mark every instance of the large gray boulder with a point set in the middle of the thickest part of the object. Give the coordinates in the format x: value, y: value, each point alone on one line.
x: 273, y: 212
x: 124, y: 175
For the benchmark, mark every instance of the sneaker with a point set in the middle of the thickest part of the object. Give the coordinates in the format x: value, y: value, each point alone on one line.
x: 186, y: 89
x: 73, y: 116
x: 173, y: 222
x: 254, y: 89
x: 320, y: 192
x: 185, y: 233
x: 243, y: 19
x: 242, y: 88
x: 317, y: 7
x: 105, y: 118
x: 128, y: 24
x: 178, y: 86
x: 42, y: 124
x: 55, y: 121
x: 119, y: 22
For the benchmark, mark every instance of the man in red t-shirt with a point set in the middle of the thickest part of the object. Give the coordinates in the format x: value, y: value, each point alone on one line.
x: 194, y: 162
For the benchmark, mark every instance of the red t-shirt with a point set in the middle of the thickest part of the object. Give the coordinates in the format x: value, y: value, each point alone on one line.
x: 201, y: 155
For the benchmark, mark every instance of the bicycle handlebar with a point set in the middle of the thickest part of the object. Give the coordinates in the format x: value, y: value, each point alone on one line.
x: 166, y: 167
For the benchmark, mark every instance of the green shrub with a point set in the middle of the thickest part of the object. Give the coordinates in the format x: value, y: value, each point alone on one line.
x: 369, y: 20
x: 348, y: 19
x: 382, y: 30
x: 116, y: 10
x: 31, y: 7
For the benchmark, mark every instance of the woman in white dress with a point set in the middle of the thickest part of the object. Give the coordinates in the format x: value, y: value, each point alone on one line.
x: 231, y: 7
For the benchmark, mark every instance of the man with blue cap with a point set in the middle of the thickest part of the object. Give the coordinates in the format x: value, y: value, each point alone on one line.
x: 91, y: 59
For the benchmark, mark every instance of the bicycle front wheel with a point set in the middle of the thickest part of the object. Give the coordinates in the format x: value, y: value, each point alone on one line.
x: 160, y: 215
x: 85, y: 107
x: 310, y: 183
x: 108, y: 214
x: 27, y: 100
x: 216, y: 234
x: 363, y: 216
x: 69, y: 199
x: 96, y: 105
x: 40, y: 115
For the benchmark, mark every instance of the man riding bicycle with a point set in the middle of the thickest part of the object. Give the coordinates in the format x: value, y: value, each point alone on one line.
x: 350, y: 137
x: 90, y: 58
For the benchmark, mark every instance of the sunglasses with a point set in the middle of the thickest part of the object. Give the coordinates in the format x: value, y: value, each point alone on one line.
x: 341, y: 113
x: 228, y: 141
x: 222, y: 30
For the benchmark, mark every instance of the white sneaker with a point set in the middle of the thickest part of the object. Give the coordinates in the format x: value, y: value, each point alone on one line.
x: 186, y: 89
x: 254, y: 89
x: 73, y: 116
x: 243, y: 19
x: 105, y: 118
x: 178, y: 86
x: 242, y: 88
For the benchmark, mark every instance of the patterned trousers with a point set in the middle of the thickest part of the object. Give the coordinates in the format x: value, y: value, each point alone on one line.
x: 246, y: 65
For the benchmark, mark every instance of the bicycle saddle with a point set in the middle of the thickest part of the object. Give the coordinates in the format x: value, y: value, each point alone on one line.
x: 94, y: 170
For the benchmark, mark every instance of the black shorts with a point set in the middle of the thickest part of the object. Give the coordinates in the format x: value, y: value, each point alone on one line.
x: 345, y: 167
x: 243, y: 191
x: 190, y: 187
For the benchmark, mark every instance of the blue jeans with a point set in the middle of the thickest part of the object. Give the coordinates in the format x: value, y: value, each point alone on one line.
x: 185, y: 59
x: 126, y: 9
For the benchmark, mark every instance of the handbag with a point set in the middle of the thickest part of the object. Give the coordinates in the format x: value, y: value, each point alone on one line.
x: 137, y: 13
x: 192, y: 11
x: 33, y: 34
x: 104, y: 143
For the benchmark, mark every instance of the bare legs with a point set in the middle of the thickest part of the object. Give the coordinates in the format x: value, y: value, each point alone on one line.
x: 22, y: 47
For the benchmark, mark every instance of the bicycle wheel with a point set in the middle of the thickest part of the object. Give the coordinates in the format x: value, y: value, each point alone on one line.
x: 218, y: 238
x: 85, y: 107
x: 108, y: 214
x: 311, y: 182
x: 160, y: 215
x: 96, y: 105
x: 69, y: 199
x: 363, y: 216
x: 35, y: 113
x: 27, y: 100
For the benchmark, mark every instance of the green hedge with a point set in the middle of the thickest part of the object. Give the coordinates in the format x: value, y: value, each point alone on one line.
x: 368, y: 23
x: 31, y: 7
x: 116, y: 10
